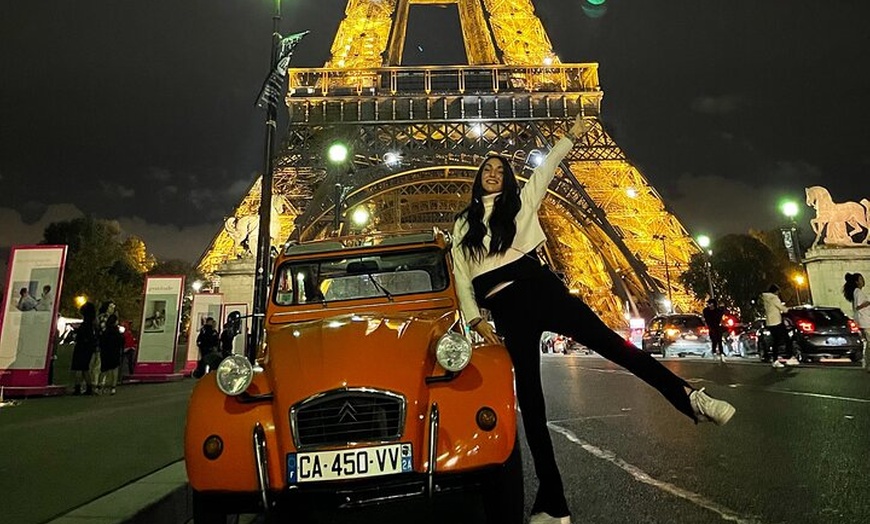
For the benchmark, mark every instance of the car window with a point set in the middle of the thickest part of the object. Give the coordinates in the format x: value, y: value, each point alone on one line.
x: 686, y: 322
x: 366, y: 276
x: 821, y: 317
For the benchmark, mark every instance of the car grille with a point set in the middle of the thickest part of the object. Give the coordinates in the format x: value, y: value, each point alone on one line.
x: 348, y: 416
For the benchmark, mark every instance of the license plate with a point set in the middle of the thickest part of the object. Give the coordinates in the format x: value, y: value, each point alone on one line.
x: 836, y: 341
x: 343, y: 464
x: 690, y: 337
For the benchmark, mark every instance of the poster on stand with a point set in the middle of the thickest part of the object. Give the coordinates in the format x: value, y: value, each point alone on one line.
x: 205, y: 306
x: 27, y: 317
x: 158, y: 332
x: 242, y: 334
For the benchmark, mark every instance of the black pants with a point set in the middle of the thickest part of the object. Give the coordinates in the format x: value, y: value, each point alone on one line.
x: 779, y: 336
x: 522, y: 312
x: 716, y: 341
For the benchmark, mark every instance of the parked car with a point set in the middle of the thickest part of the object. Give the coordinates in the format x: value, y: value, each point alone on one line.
x: 677, y: 334
x: 367, y: 392
x: 817, y: 332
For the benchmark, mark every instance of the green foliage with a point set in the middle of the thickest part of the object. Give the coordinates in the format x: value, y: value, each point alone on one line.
x: 741, y: 267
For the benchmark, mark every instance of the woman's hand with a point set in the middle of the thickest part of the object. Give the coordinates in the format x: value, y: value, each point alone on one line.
x: 485, y: 330
x: 581, y: 126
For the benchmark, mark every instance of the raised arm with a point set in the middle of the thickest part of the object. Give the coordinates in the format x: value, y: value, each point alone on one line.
x: 533, y: 192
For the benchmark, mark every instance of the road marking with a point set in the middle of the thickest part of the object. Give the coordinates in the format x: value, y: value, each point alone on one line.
x: 641, y: 476
x: 590, y: 417
x: 818, y: 395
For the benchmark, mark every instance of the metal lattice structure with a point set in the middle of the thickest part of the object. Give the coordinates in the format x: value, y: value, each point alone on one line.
x: 417, y: 135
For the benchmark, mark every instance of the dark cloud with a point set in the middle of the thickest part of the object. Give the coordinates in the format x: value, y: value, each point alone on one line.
x: 716, y: 105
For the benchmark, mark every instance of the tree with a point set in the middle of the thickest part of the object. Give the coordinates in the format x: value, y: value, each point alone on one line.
x: 742, y: 267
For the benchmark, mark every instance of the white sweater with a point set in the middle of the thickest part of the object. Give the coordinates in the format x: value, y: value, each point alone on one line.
x: 773, y: 309
x: 529, y: 234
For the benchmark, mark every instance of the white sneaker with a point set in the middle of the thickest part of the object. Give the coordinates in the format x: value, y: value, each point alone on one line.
x: 722, y: 358
x: 708, y: 408
x: 545, y: 518
x: 792, y: 362
x: 778, y: 364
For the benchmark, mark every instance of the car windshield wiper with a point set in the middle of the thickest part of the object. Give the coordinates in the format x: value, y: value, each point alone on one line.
x: 379, y: 286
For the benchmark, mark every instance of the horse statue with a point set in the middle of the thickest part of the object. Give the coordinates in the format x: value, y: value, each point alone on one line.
x: 245, y: 230
x: 835, y: 219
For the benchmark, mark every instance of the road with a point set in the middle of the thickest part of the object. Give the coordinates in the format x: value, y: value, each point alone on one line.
x: 797, y: 451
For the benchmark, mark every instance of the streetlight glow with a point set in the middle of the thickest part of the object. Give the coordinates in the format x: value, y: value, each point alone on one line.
x: 197, y: 285
x: 337, y: 153
x: 704, y: 241
x: 360, y: 216
x: 799, y: 279
x: 81, y: 300
x: 789, y: 208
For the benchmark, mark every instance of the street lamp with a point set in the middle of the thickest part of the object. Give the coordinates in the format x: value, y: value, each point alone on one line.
x: 792, y: 241
x: 799, y: 281
x: 337, y: 154
x: 360, y: 217
x: 670, y: 303
x: 704, y: 242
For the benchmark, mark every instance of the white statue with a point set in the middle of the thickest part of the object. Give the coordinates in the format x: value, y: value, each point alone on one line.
x: 833, y: 218
x: 245, y: 230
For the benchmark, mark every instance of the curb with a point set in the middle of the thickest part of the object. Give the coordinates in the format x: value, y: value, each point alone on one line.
x: 163, y: 496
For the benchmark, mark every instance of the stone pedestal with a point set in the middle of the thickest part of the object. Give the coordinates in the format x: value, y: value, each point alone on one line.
x: 826, y: 269
x: 237, y: 281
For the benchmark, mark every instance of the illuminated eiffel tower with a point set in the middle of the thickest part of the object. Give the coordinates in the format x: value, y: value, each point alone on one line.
x: 417, y: 134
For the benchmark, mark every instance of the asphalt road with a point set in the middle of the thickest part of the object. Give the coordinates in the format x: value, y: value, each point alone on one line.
x: 798, y: 449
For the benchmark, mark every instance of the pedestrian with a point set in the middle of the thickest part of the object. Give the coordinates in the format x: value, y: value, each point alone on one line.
x: 208, y: 343
x: 496, y: 267
x: 713, y: 314
x: 111, y: 346
x: 228, y: 335
x: 130, y: 346
x: 853, y: 290
x: 773, y: 310
x: 84, y: 349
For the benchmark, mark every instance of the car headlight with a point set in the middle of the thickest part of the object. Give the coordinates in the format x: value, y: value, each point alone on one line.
x: 234, y: 375
x: 453, y: 352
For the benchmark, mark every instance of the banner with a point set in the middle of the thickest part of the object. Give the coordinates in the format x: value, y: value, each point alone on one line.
x: 242, y: 333
x: 205, y: 306
x: 27, y: 317
x: 158, y: 332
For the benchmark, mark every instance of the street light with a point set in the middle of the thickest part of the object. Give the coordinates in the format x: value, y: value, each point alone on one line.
x: 704, y: 242
x: 337, y: 154
x: 360, y: 216
x: 792, y: 241
x: 799, y: 281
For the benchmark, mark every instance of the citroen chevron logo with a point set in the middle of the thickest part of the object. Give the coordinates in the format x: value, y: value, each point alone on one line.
x: 347, y: 411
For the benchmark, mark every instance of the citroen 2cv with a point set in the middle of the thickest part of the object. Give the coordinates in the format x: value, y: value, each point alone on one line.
x: 368, y: 391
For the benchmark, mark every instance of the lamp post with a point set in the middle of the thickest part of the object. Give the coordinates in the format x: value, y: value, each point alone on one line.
x: 790, y: 209
x: 337, y: 155
x: 264, y: 244
x: 667, y: 270
x: 798, y: 281
x: 704, y: 242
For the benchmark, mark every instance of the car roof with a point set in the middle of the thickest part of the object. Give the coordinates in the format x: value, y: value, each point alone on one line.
x: 356, y: 242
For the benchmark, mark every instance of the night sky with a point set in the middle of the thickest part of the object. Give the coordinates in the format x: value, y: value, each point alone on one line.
x: 144, y: 111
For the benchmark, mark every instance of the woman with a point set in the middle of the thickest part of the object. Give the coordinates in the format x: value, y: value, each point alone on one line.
x: 84, y: 349
x: 111, y: 346
x: 853, y: 290
x: 496, y: 267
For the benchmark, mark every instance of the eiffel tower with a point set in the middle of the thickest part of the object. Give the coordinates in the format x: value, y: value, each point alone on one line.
x: 417, y: 134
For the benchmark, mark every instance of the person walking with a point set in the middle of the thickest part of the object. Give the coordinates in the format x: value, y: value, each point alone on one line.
x: 208, y: 342
x: 773, y: 310
x: 111, y: 346
x: 713, y: 314
x: 853, y: 290
x: 496, y: 267
x: 84, y: 349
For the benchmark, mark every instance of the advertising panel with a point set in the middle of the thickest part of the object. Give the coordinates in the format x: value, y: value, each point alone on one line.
x: 158, y: 333
x: 242, y: 328
x: 27, y: 317
x: 205, y: 306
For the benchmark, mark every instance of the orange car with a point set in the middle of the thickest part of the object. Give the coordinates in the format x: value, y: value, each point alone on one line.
x: 368, y: 391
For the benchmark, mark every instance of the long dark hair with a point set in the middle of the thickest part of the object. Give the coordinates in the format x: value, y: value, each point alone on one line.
x: 851, y: 285
x: 501, y: 222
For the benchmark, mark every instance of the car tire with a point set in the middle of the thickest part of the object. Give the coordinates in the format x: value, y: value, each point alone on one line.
x: 502, y: 491
x: 208, y: 510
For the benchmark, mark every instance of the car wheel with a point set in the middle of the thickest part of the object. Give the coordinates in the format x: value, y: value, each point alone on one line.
x: 207, y: 510
x: 502, y: 491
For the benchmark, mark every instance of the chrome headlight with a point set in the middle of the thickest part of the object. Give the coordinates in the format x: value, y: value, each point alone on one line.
x: 234, y: 375
x: 453, y: 352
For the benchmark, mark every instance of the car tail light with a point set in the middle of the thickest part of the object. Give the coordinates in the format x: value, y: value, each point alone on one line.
x: 729, y: 322
x: 853, y: 326
x: 672, y: 332
x: 703, y: 331
x: 806, y: 326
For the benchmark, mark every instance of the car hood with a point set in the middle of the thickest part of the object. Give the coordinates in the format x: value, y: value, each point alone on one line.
x: 392, y: 352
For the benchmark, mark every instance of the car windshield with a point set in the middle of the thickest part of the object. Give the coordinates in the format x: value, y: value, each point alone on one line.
x: 349, y: 278
x: 821, y: 317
